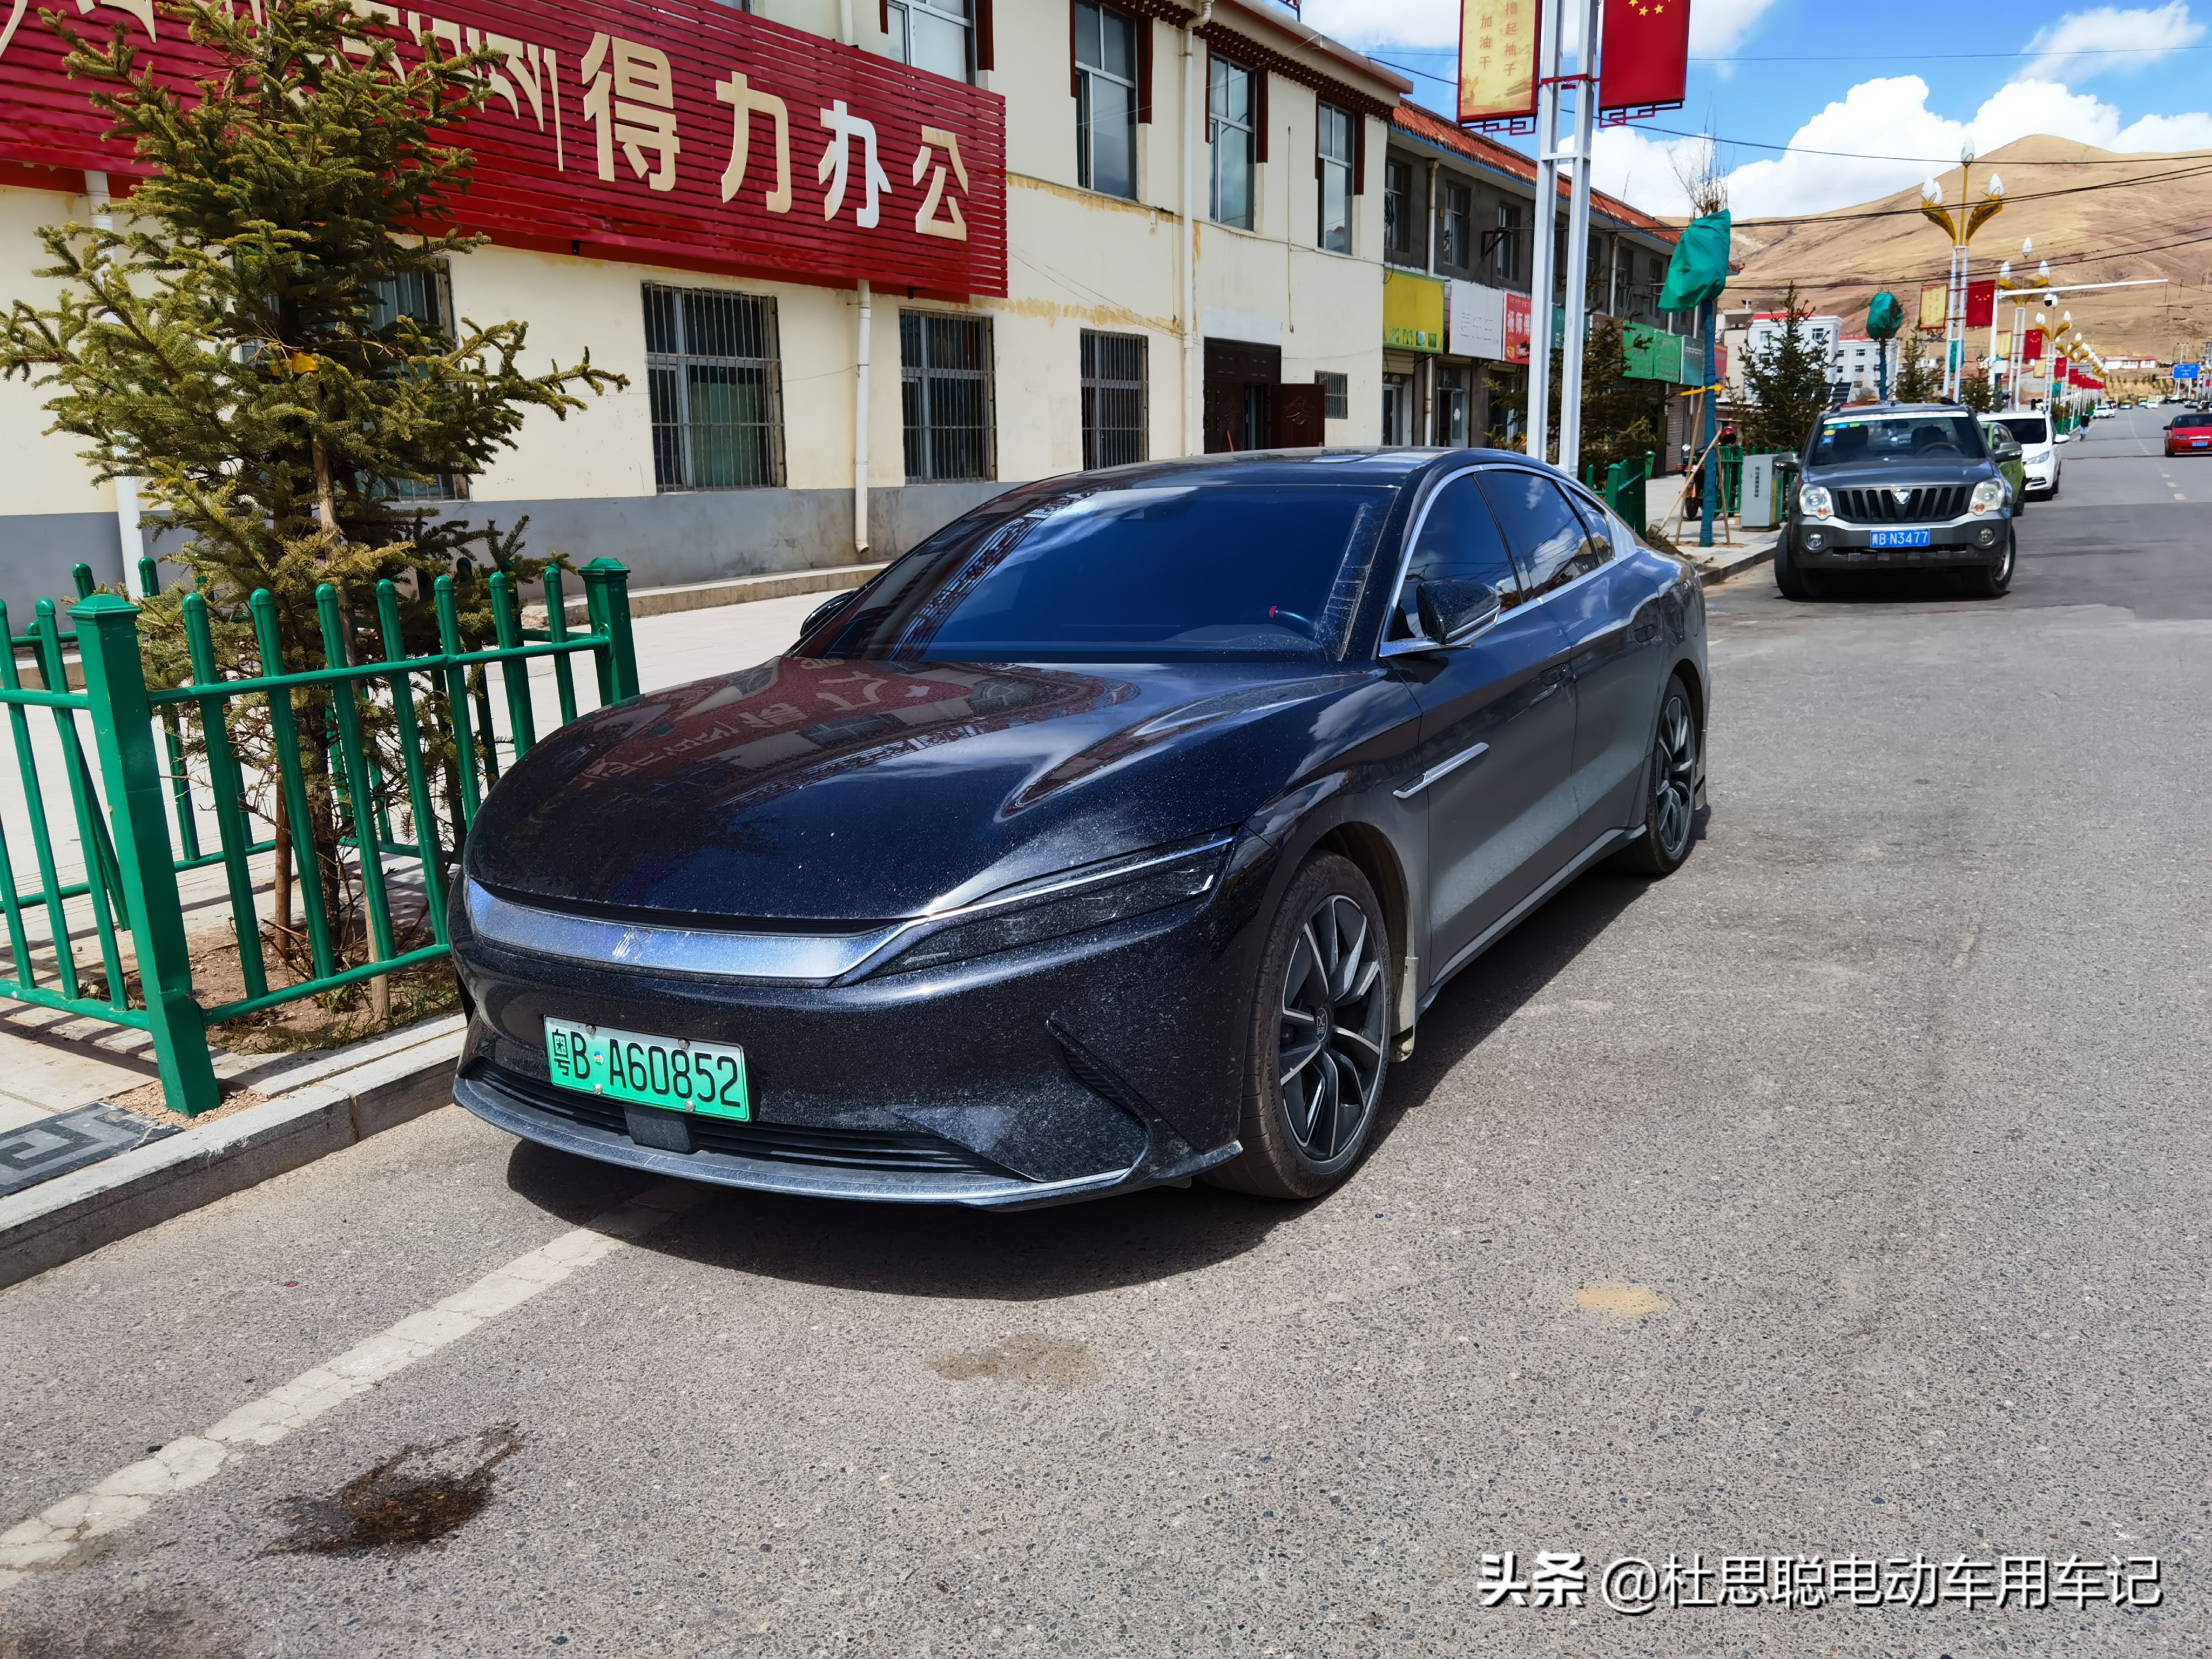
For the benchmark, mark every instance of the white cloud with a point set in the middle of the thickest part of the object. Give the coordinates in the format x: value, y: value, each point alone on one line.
x: 2091, y: 42
x: 1719, y: 26
x: 1881, y: 136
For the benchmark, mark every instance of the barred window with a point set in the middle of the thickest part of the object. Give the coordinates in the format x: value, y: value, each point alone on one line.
x: 428, y: 298
x: 1114, y: 418
x: 716, y: 389
x: 945, y: 375
x: 1335, y: 395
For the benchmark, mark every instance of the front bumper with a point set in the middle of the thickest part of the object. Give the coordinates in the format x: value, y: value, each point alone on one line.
x: 1099, y: 1063
x: 1829, y: 544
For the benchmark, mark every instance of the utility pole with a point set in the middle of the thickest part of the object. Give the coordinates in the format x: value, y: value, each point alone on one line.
x: 1551, y: 83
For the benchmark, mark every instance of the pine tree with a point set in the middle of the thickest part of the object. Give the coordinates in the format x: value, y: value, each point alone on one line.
x: 1785, y: 384
x: 1917, y: 381
x: 232, y: 347
x: 1976, y: 392
x: 1617, y: 416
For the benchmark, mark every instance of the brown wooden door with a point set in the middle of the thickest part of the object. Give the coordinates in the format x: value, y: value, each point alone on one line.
x: 1299, y: 412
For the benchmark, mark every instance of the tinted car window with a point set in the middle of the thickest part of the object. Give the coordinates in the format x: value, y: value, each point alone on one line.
x: 1843, y: 440
x: 2192, y: 420
x: 1549, y: 540
x: 1153, y: 573
x: 2028, y: 429
x: 1457, y: 540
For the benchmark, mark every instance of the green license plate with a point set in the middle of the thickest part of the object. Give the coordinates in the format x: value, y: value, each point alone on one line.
x: 671, y: 1073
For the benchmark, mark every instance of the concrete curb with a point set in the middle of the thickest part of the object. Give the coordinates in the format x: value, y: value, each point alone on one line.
x: 737, y: 590
x: 348, y: 1100
x: 1735, y: 564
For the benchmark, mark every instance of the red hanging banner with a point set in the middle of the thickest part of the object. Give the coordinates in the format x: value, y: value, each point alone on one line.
x: 2033, y: 350
x: 1981, y: 303
x: 1646, y: 57
x: 675, y: 132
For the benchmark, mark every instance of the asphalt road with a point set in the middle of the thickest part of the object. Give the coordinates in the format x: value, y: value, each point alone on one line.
x: 1843, y: 1195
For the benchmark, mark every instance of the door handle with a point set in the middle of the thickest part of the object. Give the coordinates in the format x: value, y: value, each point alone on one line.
x: 1551, y: 683
x: 1442, y: 769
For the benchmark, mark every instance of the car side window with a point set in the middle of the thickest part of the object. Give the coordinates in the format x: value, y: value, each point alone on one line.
x: 1549, y: 540
x: 1458, y: 540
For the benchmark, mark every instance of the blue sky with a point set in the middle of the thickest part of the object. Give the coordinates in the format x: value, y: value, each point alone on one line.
x: 1910, y: 79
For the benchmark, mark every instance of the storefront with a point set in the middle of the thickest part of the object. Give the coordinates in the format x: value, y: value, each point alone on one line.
x: 852, y: 295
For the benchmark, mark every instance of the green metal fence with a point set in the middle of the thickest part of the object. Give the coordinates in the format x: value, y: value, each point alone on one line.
x: 136, y: 802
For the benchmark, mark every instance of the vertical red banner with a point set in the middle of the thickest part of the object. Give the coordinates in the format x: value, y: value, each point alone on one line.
x: 1516, y: 328
x: 1646, y: 59
x: 1981, y: 303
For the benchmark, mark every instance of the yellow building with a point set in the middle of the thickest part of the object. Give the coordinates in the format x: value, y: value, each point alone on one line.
x: 1192, y: 222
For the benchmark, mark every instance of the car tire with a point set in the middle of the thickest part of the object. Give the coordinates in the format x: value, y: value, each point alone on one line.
x: 1670, y: 789
x: 1793, y: 579
x: 1990, y: 581
x: 1318, y: 1040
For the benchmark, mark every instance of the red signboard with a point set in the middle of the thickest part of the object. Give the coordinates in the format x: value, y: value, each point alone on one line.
x: 1517, y: 325
x: 1645, y: 60
x: 678, y: 132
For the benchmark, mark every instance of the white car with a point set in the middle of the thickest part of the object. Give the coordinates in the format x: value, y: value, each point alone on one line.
x: 2104, y: 412
x: 2039, y: 454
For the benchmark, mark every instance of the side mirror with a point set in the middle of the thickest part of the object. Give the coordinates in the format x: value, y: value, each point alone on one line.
x: 1452, y: 612
x: 827, y: 609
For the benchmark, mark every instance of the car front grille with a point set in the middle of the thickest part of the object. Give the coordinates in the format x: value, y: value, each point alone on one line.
x: 1921, y: 504
x: 778, y: 1142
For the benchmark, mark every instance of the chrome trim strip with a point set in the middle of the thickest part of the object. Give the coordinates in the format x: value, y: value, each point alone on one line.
x: 1442, y: 770
x: 718, y: 953
x: 1566, y: 873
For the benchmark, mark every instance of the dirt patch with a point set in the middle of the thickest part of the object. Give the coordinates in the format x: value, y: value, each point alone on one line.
x: 1034, y: 1362
x: 417, y: 1497
x: 138, y: 1624
x: 328, y: 1020
x: 1621, y: 1301
x: 149, y: 1100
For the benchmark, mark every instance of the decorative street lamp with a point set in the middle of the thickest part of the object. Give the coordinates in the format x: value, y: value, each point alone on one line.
x: 1959, y: 226
x: 2006, y: 284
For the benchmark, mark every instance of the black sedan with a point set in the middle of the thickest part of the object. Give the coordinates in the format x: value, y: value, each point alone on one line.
x: 1117, y: 833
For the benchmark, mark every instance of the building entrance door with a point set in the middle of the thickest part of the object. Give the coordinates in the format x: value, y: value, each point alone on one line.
x: 1241, y: 381
x: 1398, y: 409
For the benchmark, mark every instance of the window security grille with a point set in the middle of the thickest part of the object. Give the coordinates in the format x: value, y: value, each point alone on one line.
x: 716, y: 389
x: 1114, y: 406
x: 945, y: 374
x: 1335, y: 395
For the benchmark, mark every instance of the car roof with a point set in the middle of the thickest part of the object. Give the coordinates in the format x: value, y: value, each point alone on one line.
x: 1367, y: 468
x: 1864, y: 409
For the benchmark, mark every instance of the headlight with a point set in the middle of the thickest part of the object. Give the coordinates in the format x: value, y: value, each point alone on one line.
x: 1811, y: 499
x: 1070, y: 902
x: 1988, y: 495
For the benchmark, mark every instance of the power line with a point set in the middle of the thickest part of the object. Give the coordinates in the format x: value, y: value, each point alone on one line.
x: 1920, y: 161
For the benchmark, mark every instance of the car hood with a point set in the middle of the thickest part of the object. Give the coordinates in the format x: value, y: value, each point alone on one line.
x: 814, y: 789
x: 1889, y: 475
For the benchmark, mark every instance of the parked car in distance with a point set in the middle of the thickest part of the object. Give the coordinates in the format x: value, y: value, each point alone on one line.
x: 1117, y: 833
x: 2189, y: 434
x: 2039, y: 448
x: 1897, y: 485
x: 2005, y: 451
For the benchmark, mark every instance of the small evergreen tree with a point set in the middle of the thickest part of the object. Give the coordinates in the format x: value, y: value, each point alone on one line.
x: 1786, y: 384
x: 1917, y: 381
x: 234, y: 348
x: 1617, y: 418
x: 1976, y: 392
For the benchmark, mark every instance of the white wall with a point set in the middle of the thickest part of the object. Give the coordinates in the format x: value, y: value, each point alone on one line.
x: 42, y: 472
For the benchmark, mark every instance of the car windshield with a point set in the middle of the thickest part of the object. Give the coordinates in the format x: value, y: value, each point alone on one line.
x: 1848, y: 438
x: 2028, y: 429
x: 1148, y: 572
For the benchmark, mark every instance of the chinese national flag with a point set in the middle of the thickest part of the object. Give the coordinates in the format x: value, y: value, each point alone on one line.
x: 1981, y: 303
x: 2034, y: 351
x: 1646, y: 54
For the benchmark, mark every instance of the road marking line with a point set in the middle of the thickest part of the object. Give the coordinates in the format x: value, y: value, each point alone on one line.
x: 52, y: 1535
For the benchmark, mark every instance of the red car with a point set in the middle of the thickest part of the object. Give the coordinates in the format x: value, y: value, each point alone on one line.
x: 2189, y: 434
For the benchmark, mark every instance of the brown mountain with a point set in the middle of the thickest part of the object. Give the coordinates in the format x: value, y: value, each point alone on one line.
x: 2095, y: 215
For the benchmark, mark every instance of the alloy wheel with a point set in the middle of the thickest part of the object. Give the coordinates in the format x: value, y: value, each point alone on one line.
x: 1334, y: 1016
x: 1675, y: 764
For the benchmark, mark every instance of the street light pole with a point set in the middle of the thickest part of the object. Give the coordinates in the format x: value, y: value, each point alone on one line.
x: 1970, y: 218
